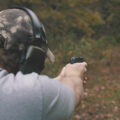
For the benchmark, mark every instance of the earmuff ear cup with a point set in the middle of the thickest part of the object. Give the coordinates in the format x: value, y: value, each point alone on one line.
x: 34, y: 61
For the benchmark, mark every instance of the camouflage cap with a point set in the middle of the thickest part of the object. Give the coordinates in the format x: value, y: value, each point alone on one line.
x: 16, y: 29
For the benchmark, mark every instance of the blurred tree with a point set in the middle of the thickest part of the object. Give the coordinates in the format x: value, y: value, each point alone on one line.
x: 110, y: 11
x: 13, y: 3
x: 3, y: 4
x: 65, y: 16
x: 79, y: 17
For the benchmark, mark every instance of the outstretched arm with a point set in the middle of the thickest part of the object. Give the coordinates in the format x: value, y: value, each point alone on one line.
x: 73, y: 75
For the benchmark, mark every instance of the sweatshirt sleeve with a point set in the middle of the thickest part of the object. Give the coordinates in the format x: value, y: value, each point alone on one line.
x: 58, y: 100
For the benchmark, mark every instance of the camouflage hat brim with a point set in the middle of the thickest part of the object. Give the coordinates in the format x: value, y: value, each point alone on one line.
x: 50, y: 55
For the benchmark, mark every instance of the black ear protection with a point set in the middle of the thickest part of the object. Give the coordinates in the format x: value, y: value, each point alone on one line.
x: 34, y: 57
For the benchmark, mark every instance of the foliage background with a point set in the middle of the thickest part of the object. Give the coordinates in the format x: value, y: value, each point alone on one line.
x: 88, y: 28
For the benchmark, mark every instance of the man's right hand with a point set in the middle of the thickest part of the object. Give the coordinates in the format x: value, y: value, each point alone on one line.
x: 73, y: 75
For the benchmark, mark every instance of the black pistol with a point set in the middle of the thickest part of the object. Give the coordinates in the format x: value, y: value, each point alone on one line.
x: 76, y: 60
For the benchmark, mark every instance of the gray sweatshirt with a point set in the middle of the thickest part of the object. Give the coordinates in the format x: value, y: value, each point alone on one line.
x: 34, y: 97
